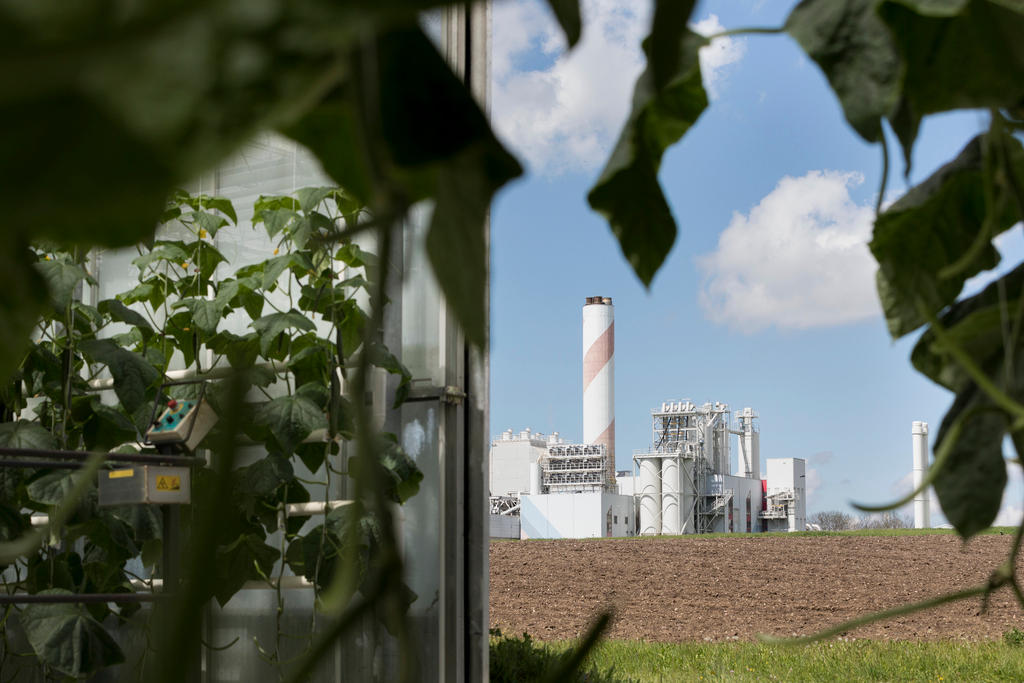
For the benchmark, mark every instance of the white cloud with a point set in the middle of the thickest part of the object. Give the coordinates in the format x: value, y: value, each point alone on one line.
x: 714, y: 58
x: 1009, y: 515
x: 561, y: 111
x: 798, y: 260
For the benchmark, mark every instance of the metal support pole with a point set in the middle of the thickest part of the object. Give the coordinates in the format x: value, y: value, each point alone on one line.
x: 170, y: 568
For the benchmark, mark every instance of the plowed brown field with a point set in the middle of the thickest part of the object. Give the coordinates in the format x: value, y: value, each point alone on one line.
x: 691, y: 588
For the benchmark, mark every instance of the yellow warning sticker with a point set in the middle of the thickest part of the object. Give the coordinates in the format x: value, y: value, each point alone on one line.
x: 166, y: 482
x: 121, y: 474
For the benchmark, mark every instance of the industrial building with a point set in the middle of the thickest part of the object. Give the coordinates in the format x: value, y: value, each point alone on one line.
x: 686, y: 484
x: 683, y: 484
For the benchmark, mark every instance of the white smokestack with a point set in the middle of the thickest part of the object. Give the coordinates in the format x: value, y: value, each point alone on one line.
x: 922, y: 513
x: 599, y: 377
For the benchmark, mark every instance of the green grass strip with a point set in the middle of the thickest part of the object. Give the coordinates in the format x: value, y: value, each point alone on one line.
x: 837, y: 660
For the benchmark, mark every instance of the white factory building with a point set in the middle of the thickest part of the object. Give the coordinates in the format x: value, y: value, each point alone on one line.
x: 544, y: 487
x: 686, y: 483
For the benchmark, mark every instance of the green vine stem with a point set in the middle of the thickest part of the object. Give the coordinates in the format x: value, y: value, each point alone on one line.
x: 984, y: 382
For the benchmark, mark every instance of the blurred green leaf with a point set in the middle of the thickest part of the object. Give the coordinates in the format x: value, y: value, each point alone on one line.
x: 932, y: 227
x: 24, y: 434
x: 272, y: 268
x: 221, y: 204
x: 206, y: 314
x: 276, y: 220
x: 22, y: 296
x: 312, y: 455
x: 153, y: 291
x: 116, y: 203
x: 209, y: 222
x: 173, y: 252
x: 289, y: 420
x: 270, y: 327
x: 108, y: 539
x: 61, y: 279
x: 252, y: 484
x: 272, y: 203
x: 103, y: 426
x: 568, y: 14
x: 310, y: 197
x: 453, y: 153
x: 447, y: 153
x: 969, y: 486
x: 239, y: 562
x: 354, y: 257
x: 119, y: 312
x: 133, y: 376
x: 241, y: 351
x: 969, y: 489
x: 958, y: 54
x: 50, y: 488
x: 331, y: 131
x: 145, y: 521
x: 853, y: 47
x: 628, y: 193
x: 403, y: 475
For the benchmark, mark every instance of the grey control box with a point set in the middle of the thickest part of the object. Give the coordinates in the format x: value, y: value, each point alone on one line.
x: 152, y: 484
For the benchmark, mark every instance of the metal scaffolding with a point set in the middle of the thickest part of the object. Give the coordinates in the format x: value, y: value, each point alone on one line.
x: 504, y: 505
x: 778, y: 505
x: 575, y: 468
x: 697, y: 436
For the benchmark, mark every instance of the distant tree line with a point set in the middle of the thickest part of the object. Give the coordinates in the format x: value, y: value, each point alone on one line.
x: 837, y: 520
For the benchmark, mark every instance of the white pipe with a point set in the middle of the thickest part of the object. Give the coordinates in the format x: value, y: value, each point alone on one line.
x: 755, y: 455
x: 922, y: 512
x: 157, y: 585
x: 686, y: 497
x: 313, y: 507
x: 220, y: 372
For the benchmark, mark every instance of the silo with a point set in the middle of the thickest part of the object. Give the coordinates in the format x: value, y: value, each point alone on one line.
x: 599, y: 377
x: 670, y: 495
x: 535, y: 479
x: 650, y: 496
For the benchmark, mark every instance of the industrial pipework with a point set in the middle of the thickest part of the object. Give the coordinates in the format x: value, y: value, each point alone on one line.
x: 599, y: 377
x: 922, y: 511
x: 750, y: 444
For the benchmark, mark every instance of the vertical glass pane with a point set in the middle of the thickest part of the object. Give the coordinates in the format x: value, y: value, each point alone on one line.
x: 270, y: 165
x: 422, y: 310
x: 421, y: 530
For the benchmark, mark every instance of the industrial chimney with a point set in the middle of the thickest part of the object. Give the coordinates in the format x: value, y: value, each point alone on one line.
x: 922, y: 513
x: 599, y: 377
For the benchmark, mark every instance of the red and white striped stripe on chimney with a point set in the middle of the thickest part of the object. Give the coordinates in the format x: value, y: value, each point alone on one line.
x: 599, y: 376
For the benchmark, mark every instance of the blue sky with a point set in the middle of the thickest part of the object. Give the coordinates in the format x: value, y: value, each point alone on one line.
x: 767, y: 299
